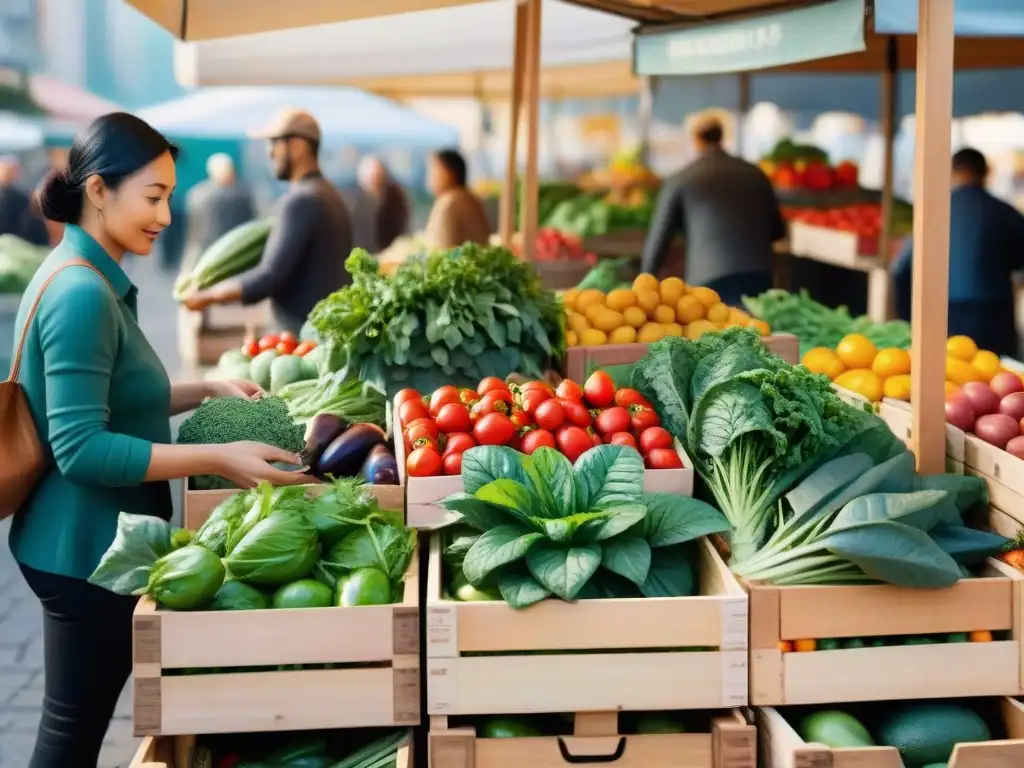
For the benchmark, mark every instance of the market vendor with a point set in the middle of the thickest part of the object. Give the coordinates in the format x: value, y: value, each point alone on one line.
x: 458, y: 216
x: 304, y: 259
x: 725, y: 209
x: 986, y: 246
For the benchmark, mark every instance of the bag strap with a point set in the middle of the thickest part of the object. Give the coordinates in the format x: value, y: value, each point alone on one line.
x: 76, y: 262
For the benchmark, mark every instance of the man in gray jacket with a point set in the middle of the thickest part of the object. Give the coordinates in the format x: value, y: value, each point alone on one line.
x: 726, y: 210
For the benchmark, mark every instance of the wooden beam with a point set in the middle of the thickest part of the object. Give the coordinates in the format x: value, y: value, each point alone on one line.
x: 880, y: 309
x: 531, y: 96
x: 933, y: 117
x: 507, y: 212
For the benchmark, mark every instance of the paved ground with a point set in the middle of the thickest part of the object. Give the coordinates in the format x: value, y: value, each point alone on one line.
x: 21, y: 650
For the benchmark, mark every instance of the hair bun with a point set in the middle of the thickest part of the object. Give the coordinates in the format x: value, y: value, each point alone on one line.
x: 59, y: 199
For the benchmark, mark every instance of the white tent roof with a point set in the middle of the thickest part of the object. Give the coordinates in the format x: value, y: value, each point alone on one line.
x: 19, y: 133
x: 460, y: 51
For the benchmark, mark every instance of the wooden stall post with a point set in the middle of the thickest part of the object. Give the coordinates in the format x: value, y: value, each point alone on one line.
x: 531, y: 96
x: 507, y: 213
x: 929, y: 316
x: 879, y: 284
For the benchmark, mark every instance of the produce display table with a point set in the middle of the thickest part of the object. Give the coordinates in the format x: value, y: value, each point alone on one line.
x: 204, y: 336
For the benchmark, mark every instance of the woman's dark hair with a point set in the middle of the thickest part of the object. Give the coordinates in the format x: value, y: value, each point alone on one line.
x: 113, y: 147
x: 454, y: 163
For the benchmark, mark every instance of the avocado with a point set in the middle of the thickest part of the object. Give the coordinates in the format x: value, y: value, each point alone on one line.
x: 927, y: 733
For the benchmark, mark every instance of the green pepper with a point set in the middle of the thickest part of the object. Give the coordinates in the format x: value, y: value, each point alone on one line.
x: 853, y: 642
x: 829, y: 644
x: 919, y: 641
x: 957, y: 637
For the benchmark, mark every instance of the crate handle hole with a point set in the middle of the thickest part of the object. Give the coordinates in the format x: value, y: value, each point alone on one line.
x: 620, y: 750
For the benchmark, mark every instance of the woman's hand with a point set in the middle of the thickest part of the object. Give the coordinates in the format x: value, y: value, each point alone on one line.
x: 247, y: 463
x: 234, y: 388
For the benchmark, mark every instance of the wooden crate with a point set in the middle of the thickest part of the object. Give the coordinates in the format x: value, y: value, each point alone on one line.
x: 562, y: 274
x: 946, y: 670
x: 899, y: 415
x: 782, y: 746
x: 852, y: 398
x: 204, y: 336
x: 834, y: 246
x: 580, y: 360
x: 731, y: 743
x: 1003, y: 498
x: 199, y: 504
x: 383, y: 688
x: 460, y: 684
x: 176, y: 752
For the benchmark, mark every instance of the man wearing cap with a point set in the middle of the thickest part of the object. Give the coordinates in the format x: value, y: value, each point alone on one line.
x: 304, y: 259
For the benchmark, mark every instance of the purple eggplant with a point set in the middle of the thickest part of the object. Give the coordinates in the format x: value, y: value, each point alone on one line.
x: 322, y: 430
x: 380, y: 467
x: 347, y: 452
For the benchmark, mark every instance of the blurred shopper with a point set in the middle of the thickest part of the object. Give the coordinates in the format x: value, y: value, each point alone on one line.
x: 215, y: 205
x: 304, y: 260
x: 101, y: 402
x: 458, y: 216
x: 381, y: 213
x: 18, y: 215
x: 986, y: 245
x: 726, y: 211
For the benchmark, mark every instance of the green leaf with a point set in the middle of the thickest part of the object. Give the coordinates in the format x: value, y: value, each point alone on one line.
x: 514, y: 327
x: 967, y: 491
x: 439, y: 354
x: 895, y: 554
x: 628, y: 556
x: 672, y: 519
x: 609, y: 474
x: 563, y: 529
x: 563, y: 570
x: 922, y: 510
x: 967, y: 545
x: 511, y: 494
x: 477, y: 513
x: 483, y: 464
x: 452, y: 337
x: 519, y: 589
x: 553, y: 480
x: 613, y: 521
x: 827, y: 480
x: 672, y: 573
x: 663, y: 377
x: 140, y: 541
x: 725, y: 413
x: 716, y: 369
x: 495, y: 548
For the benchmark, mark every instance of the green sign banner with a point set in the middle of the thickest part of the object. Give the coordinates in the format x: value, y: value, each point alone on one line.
x: 760, y: 42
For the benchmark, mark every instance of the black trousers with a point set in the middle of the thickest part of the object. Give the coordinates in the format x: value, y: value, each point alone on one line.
x: 87, y: 652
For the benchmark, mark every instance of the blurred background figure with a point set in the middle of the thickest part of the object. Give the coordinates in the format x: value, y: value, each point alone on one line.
x: 381, y: 212
x: 215, y: 205
x: 18, y: 214
x: 458, y: 216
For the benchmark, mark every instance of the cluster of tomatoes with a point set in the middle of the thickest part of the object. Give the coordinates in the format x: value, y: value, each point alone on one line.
x: 440, y: 427
x: 284, y: 344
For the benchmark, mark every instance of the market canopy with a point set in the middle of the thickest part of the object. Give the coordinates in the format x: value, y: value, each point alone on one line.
x: 346, y: 116
x: 458, y: 52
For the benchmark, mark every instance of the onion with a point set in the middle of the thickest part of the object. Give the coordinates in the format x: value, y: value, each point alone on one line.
x: 996, y: 428
x: 1013, y: 405
x: 1016, y: 446
x: 982, y: 398
x: 1005, y: 383
x: 960, y: 413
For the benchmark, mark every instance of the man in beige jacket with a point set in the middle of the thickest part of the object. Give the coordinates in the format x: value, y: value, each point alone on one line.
x: 458, y: 216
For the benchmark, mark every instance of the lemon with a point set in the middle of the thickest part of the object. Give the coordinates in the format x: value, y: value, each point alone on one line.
x: 698, y: 328
x: 960, y: 372
x: 671, y: 290
x: 634, y: 316
x: 891, y: 362
x: 569, y: 298
x: 863, y: 381
x: 608, y: 320
x: 621, y: 299
x: 706, y: 296
x: 962, y: 348
x: 645, y: 282
x: 987, y: 364
x: 663, y: 314
x: 688, y: 309
x: 650, y: 333
x: 897, y: 387
x: 577, y: 323
x: 823, y: 360
x: 593, y: 310
x: 673, y: 329
x: 626, y: 334
x: 571, y: 339
x: 593, y: 338
x: 760, y: 326
x: 738, y: 317
x: 856, y: 351
x: 585, y: 298
x: 717, y: 313
x: 648, y: 301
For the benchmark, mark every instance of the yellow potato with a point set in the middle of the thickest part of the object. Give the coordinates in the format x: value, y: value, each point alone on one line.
x: 760, y: 326
x: 671, y: 290
x: 585, y: 298
x: 647, y: 300
x: 663, y: 314
x: 577, y: 323
x: 689, y: 309
x: 593, y: 338
x: 624, y: 335
x: 645, y: 282
x: 738, y: 317
x: 569, y: 297
x: 621, y: 299
x: 608, y: 320
x: 698, y: 328
x: 706, y: 296
x: 650, y: 333
x: 717, y: 313
x: 571, y: 339
x: 593, y: 310
x: 673, y: 329
x: 634, y: 316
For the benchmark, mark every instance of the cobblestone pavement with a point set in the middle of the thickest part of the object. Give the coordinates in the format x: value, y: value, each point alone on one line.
x: 21, y: 648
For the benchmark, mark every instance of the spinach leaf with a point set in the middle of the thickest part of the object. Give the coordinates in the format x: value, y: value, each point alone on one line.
x: 826, y: 481
x: 563, y: 570
x: 553, y: 481
x: 717, y: 369
x: 477, y: 513
x: 612, y: 522
x: 608, y: 475
x: 139, y: 542
x: 511, y: 494
x: 967, y: 491
x: 662, y: 376
x: 672, y: 572
x: 495, y: 548
x: 922, y: 510
x: 519, y: 589
x: 483, y: 464
x: 672, y: 519
x: 725, y: 413
x: 967, y: 545
x: 628, y: 556
x: 564, y: 529
x: 895, y: 554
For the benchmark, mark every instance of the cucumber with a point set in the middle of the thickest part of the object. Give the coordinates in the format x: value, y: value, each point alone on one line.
x: 304, y: 593
x: 835, y: 729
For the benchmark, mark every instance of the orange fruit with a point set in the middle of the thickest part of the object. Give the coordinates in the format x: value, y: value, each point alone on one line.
x: 961, y: 347
x: 891, y: 362
x: 987, y: 364
x: 671, y: 290
x: 823, y: 360
x: 706, y: 296
x: 689, y: 309
x: 717, y: 313
x: 663, y: 314
x: 645, y: 282
x: 863, y: 381
x: 634, y: 316
x: 897, y: 387
x: 760, y: 326
x: 856, y: 351
x: 647, y: 300
x: 960, y: 372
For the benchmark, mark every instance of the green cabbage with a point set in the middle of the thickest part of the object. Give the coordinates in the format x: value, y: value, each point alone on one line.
x: 238, y: 596
x: 185, y: 578
x: 280, y: 548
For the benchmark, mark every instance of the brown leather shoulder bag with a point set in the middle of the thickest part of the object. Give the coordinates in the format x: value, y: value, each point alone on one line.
x: 22, y: 458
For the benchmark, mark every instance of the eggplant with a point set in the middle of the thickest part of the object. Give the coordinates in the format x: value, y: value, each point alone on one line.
x: 380, y: 467
x: 322, y: 430
x: 347, y: 452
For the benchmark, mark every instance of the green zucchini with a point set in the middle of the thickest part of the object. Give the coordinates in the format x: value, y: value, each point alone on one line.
x: 234, y: 252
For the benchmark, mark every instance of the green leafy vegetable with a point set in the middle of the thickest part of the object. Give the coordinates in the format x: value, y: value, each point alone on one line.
x: 140, y: 541
x: 185, y: 578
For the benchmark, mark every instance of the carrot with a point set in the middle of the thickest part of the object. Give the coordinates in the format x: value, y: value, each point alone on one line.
x: 981, y: 636
x: 1014, y: 557
x: 786, y: 646
x: 805, y: 646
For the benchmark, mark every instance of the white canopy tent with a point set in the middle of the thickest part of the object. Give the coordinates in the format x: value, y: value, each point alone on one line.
x: 464, y: 51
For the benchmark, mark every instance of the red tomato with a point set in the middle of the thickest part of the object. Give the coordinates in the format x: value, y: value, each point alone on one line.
x: 536, y: 438
x: 288, y: 336
x: 569, y: 390
x: 411, y: 410
x: 452, y: 463
x: 407, y: 394
x: 423, y: 462
x: 442, y: 396
x: 495, y: 401
x: 531, y: 398
x: 304, y: 348
x: 459, y: 442
x: 626, y: 397
x: 453, y: 417
x: 573, y: 441
x: 520, y: 418
x: 251, y: 348
x: 490, y: 383
x: 268, y: 342
x: 531, y: 386
x: 285, y: 347
x: 575, y: 412
x: 599, y: 391
x: 622, y: 438
x: 663, y: 458
x: 468, y: 396
x: 550, y: 415
x: 594, y: 437
x: 611, y: 420
x: 643, y: 419
x: 494, y: 429
x: 420, y: 427
x: 653, y: 438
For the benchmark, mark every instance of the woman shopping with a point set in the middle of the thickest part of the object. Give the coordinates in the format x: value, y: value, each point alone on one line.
x: 100, y: 401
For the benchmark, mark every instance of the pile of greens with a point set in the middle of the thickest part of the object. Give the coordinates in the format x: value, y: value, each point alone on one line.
x: 536, y: 526
x: 753, y: 425
x: 349, y: 400
x: 447, y: 318
x: 350, y: 748
x: 281, y: 547
x: 589, y: 216
x: 819, y: 326
x: 19, y: 260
